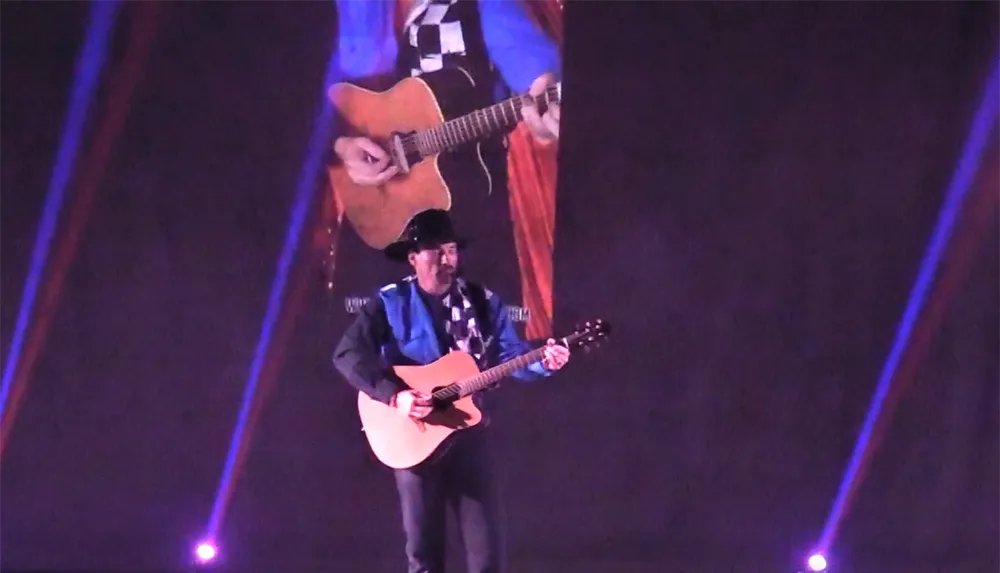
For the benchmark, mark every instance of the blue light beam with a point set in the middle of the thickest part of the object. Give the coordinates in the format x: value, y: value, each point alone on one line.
x: 88, y: 70
x: 961, y: 182
x: 305, y: 190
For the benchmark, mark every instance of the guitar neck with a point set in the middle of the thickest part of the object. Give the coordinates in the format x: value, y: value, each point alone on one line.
x: 581, y: 337
x: 489, y: 377
x: 482, y: 123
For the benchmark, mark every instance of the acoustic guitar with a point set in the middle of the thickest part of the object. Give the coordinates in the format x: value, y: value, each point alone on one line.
x: 432, y: 128
x: 400, y: 441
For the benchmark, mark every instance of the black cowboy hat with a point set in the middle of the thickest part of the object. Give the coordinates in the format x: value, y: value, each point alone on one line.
x: 427, y: 229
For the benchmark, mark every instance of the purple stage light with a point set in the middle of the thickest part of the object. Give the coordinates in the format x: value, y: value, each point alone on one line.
x: 817, y: 562
x: 206, y: 552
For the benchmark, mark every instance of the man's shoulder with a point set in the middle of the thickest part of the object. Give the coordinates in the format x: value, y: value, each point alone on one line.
x: 389, y: 295
x: 396, y: 287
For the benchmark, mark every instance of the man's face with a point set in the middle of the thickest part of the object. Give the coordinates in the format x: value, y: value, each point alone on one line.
x: 436, y: 264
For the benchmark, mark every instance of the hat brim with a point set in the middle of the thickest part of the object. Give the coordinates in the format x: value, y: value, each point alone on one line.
x: 399, y: 251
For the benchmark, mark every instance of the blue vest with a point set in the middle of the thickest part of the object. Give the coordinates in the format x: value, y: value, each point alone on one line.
x: 414, y: 339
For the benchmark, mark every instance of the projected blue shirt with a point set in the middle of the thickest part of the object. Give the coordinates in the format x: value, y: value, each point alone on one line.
x: 517, y: 47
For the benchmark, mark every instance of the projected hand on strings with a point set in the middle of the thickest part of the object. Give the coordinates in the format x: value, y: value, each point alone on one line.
x: 545, y: 127
x: 366, y: 162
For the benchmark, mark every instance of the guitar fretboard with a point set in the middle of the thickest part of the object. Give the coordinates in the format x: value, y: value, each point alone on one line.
x: 480, y: 123
x: 488, y: 377
x: 583, y: 336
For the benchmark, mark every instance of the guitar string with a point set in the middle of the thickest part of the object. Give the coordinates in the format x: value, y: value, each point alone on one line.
x: 485, y: 378
x: 488, y: 377
x: 477, y: 123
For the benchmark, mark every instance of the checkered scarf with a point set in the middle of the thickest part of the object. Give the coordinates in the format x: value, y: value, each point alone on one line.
x: 462, y: 326
x: 433, y: 32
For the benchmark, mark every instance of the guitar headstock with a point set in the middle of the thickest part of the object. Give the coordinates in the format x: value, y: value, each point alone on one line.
x: 588, y: 335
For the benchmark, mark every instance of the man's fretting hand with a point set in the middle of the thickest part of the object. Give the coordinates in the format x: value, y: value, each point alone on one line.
x: 556, y: 355
x: 544, y: 128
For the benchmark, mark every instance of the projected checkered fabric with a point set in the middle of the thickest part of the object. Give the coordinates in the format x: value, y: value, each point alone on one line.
x: 435, y: 33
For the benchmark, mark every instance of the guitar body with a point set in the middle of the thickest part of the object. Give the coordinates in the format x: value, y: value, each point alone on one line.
x: 400, y: 442
x: 380, y: 214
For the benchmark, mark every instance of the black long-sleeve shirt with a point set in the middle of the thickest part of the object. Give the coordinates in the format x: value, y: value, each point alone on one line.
x: 358, y: 356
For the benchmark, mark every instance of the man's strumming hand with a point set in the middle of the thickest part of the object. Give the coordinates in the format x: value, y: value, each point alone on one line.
x: 366, y: 162
x: 412, y: 403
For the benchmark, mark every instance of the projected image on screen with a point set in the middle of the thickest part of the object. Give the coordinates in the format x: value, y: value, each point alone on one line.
x: 454, y: 106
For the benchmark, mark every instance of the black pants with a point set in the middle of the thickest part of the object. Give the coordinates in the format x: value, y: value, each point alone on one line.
x: 460, y: 480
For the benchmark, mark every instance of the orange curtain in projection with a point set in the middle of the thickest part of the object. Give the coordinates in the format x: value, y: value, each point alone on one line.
x: 532, y: 169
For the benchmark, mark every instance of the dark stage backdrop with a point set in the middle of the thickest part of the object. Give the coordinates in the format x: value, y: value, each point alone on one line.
x: 746, y: 190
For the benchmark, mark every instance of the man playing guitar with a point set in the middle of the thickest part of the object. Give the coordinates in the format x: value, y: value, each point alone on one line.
x: 503, y: 50
x: 416, y: 321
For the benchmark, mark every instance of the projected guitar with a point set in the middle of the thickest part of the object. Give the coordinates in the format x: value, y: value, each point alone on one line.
x: 399, y: 441
x: 433, y: 139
